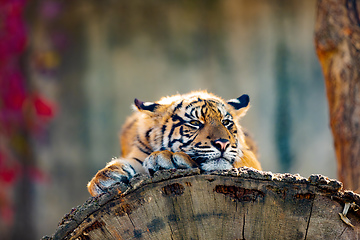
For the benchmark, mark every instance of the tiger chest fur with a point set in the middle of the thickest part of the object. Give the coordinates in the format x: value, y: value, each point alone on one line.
x: 197, y: 129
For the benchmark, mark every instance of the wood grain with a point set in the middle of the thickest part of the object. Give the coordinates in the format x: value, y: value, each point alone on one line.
x: 240, y: 204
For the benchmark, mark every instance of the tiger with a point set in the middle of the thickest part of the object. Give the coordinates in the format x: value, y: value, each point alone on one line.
x: 193, y: 130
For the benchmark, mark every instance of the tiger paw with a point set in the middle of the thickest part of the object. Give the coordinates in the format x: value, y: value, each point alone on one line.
x: 167, y: 160
x: 115, y: 172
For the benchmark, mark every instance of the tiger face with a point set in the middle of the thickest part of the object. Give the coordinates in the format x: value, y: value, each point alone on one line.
x: 201, y: 125
x: 197, y: 129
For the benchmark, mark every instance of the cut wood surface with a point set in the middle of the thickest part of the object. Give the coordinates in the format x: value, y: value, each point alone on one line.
x: 238, y: 204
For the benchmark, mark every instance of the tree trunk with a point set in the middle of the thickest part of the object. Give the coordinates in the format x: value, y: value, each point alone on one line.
x: 240, y: 204
x: 337, y: 38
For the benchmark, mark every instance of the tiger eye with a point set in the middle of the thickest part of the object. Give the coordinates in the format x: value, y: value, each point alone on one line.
x: 226, y: 122
x: 195, y: 123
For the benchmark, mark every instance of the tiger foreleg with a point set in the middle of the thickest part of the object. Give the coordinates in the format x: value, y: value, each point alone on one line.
x: 115, y: 171
x: 160, y: 160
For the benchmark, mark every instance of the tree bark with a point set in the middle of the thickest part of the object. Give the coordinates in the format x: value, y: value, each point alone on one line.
x: 239, y: 204
x: 337, y: 38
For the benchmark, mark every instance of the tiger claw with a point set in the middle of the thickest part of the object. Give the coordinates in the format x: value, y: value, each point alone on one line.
x: 167, y: 160
x: 343, y: 215
x: 115, y: 172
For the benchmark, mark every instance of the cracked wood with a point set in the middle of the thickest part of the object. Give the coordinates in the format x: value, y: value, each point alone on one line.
x: 240, y: 204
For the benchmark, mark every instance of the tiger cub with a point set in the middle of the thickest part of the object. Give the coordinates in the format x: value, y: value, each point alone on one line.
x: 192, y: 130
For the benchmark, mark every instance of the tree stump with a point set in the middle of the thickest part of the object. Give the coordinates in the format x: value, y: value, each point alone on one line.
x: 238, y: 204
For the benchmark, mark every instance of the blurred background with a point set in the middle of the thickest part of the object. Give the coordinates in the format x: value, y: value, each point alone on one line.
x: 70, y: 70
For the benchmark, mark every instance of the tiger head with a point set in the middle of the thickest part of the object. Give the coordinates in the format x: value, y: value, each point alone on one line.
x: 199, y: 124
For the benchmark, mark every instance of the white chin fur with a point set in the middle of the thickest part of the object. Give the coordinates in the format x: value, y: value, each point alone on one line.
x: 216, y: 164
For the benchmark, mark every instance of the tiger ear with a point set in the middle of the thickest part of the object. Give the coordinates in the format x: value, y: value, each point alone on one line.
x: 146, y: 106
x: 241, y: 104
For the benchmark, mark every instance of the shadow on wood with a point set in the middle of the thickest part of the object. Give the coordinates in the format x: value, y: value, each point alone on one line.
x: 239, y: 204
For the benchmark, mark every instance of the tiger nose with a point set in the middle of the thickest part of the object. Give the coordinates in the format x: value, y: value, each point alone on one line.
x: 221, y: 144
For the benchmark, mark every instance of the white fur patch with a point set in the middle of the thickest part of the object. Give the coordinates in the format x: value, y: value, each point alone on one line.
x: 146, y: 104
x: 217, y: 164
x: 127, y: 167
x: 236, y: 101
x: 108, y: 182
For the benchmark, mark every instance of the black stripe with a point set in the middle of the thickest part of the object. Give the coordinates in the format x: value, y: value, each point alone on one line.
x: 99, y: 187
x: 198, y: 145
x: 173, y: 162
x: 128, y: 173
x: 177, y: 118
x: 143, y: 150
x: 178, y: 106
x: 138, y: 160
x: 181, y: 130
x: 172, y: 143
x: 142, y: 147
x: 143, y: 144
x: 203, y: 147
x: 204, y: 110
x: 218, y: 110
x: 147, y: 134
x: 194, y: 102
x: 230, y: 125
x: 163, y: 129
x: 188, y: 115
x: 204, y: 151
x: 213, y: 102
x: 192, y: 113
x: 188, y: 142
x: 186, y: 133
x: 172, y: 131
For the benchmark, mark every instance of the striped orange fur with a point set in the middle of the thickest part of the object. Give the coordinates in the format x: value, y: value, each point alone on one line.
x: 197, y: 129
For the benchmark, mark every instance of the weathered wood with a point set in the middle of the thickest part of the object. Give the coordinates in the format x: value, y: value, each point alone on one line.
x: 337, y: 38
x: 239, y: 204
